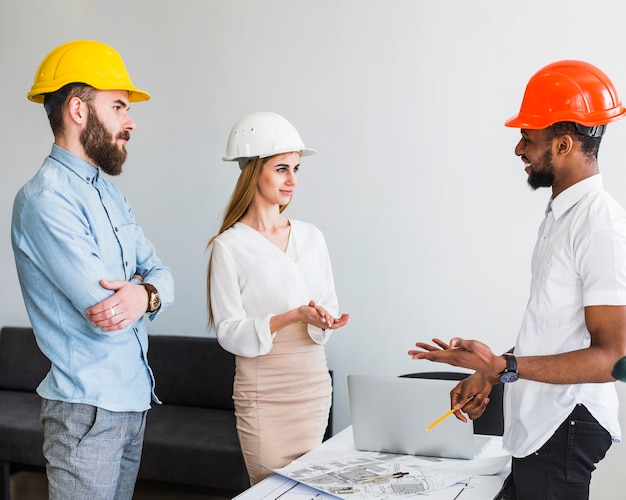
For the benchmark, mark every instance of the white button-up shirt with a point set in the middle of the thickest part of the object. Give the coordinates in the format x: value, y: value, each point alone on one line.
x: 579, y: 260
x: 72, y: 227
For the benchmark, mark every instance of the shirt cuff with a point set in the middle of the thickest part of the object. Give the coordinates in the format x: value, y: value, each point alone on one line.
x: 319, y: 335
x: 265, y: 336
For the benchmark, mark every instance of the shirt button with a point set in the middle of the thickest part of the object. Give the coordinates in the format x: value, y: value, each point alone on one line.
x: 88, y: 179
x: 126, y: 263
x: 116, y: 229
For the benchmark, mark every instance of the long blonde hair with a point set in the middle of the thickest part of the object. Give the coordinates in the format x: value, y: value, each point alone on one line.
x: 240, y: 201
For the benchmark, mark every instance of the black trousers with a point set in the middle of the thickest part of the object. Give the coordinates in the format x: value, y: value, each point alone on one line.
x: 561, y: 469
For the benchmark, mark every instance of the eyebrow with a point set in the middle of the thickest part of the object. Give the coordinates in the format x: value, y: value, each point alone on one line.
x: 122, y: 103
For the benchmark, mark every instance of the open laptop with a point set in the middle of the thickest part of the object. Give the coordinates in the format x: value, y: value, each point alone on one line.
x: 389, y: 414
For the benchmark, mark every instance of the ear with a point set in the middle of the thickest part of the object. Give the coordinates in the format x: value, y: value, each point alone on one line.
x: 77, y: 110
x: 564, y: 145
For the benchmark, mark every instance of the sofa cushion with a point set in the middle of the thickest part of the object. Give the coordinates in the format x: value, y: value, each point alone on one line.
x: 22, y: 365
x: 20, y: 428
x: 192, y: 371
x: 194, y: 446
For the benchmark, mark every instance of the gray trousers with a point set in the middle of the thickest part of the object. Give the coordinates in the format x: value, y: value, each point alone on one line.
x: 91, y: 453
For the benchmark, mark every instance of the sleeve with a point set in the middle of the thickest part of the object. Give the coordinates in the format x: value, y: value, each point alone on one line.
x: 56, y: 237
x: 153, y: 271
x: 236, y: 333
x: 601, y: 259
x: 327, y: 296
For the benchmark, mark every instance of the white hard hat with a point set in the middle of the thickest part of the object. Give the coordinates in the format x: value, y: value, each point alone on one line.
x: 263, y: 134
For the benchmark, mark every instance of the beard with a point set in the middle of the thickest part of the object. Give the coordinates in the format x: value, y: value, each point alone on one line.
x: 98, y: 144
x: 542, y: 174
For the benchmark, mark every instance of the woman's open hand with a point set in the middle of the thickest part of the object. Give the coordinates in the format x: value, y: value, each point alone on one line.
x: 318, y: 316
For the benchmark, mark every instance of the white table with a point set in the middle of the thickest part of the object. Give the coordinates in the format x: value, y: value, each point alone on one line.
x: 340, y: 445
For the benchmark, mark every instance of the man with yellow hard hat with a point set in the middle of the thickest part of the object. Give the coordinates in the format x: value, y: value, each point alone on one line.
x: 88, y: 276
x: 560, y: 403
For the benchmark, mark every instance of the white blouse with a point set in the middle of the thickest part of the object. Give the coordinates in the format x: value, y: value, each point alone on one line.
x: 253, y: 280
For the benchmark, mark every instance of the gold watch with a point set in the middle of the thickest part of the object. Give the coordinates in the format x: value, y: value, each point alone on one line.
x: 154, y: 299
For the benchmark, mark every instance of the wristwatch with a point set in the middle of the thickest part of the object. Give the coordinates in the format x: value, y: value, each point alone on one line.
x: 510, y: 373
x: 154, y: 299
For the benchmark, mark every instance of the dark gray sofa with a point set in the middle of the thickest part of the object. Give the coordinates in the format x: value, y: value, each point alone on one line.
x: 190, y: 441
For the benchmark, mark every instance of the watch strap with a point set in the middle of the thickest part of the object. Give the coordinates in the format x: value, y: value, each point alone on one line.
x: 511, y: 362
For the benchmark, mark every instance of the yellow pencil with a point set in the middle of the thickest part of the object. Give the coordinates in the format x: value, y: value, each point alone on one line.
x: 446, y: 415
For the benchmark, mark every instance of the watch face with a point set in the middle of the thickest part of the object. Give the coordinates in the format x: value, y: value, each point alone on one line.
x: 508, y: 377
x: 155, y: 301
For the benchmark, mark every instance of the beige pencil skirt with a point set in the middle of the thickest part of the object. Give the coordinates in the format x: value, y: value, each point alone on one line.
x: 282, y: 401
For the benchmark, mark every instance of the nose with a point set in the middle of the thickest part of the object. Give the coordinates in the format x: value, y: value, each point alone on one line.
x: 519, y: 149
x: 129, y: 123
x: 292, y: 178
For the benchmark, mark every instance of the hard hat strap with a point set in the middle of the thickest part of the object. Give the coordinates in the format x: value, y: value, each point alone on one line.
x: 55, y: 99
x: 595, y: 131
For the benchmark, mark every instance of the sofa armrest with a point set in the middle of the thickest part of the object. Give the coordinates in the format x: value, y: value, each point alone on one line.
x: 22, y: 365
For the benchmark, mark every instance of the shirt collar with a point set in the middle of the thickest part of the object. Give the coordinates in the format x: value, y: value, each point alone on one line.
x: 83, y: 169
x: 573, y: 194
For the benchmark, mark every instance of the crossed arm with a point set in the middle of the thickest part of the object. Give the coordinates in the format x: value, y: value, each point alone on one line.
x: 122, y: 309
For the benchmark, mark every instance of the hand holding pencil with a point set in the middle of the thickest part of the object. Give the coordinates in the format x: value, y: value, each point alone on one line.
x: 446, y: 415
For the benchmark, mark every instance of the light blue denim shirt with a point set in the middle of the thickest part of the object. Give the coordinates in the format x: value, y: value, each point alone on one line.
x: 72, y: 227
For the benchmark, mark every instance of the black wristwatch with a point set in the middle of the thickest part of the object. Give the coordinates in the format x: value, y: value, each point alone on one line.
x: 510, y: 373
x: 154, y: 299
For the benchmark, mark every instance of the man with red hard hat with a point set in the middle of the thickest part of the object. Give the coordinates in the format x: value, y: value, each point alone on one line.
x: 560, y: 403
x: 88, y: 277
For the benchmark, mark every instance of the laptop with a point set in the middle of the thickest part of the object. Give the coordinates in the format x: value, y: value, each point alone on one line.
x: 389, y: 414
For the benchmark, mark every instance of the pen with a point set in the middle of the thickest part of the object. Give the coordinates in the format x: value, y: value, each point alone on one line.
x: 446, y: 415
x: 384, y: 476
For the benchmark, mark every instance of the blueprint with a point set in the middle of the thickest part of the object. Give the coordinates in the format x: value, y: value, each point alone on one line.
x: 365, y: 475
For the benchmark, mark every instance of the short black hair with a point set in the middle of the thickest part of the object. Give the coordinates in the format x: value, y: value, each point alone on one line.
x: 589, y: 145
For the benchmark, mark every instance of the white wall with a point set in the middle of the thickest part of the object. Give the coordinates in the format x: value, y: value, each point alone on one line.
x: 425, y: 208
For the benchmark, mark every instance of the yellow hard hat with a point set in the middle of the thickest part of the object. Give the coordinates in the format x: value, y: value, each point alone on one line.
x: 83, y: 61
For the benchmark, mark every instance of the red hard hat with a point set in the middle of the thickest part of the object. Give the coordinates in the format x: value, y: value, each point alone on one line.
x: 568, y: 91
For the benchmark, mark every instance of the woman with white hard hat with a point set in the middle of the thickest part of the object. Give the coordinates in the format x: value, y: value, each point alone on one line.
x: 272, y: 300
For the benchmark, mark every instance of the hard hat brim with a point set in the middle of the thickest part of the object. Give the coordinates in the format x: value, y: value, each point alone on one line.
x: 303, y: 152
x: 533, y: 122
x: 134, y: 94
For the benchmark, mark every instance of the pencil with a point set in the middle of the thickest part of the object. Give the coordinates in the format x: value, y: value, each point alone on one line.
x: 446, y: 415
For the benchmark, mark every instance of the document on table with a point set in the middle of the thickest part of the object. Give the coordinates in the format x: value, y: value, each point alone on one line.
x: 343, y: 477
x: 278, y: 487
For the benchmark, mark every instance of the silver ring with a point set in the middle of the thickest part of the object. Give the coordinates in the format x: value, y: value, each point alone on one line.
x: 113, y: 313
